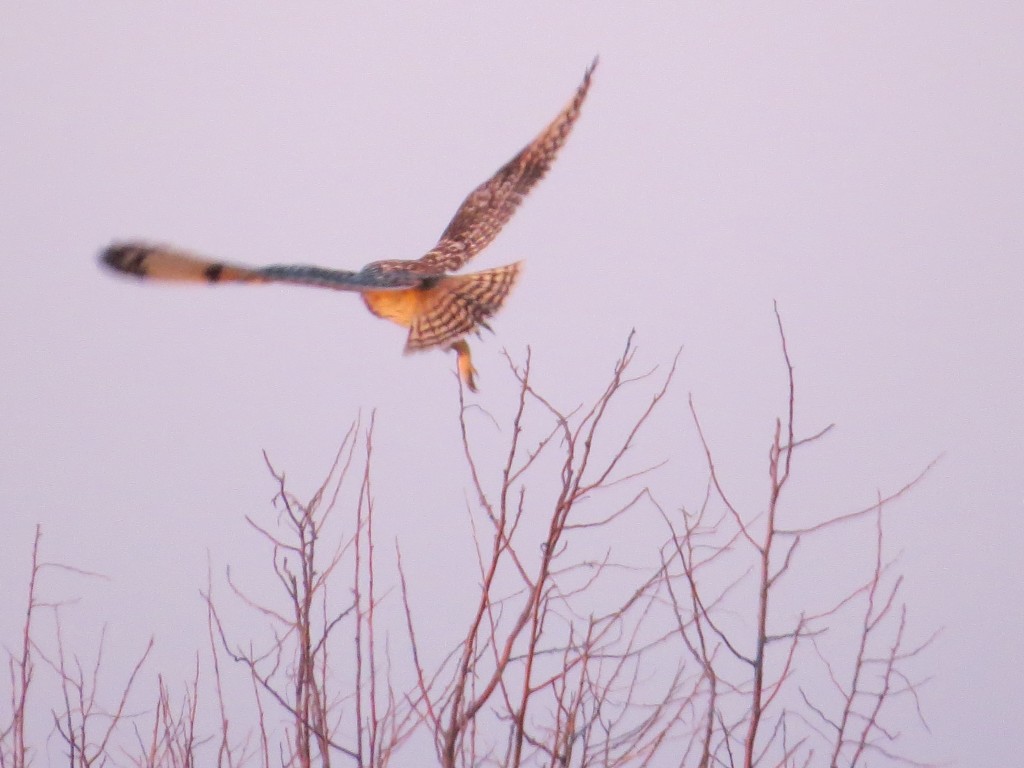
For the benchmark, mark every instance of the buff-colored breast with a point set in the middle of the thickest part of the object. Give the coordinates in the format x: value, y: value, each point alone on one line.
x: 397, y: 306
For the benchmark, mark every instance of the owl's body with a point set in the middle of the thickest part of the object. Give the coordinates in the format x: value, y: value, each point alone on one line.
x: 437, y: 307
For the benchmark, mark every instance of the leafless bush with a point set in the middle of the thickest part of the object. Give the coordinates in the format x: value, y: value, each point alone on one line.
x: 546, y: 673
x: 608, y: 628
x: 360, y: 719
x: 85, y: 720
x: 750, y: 676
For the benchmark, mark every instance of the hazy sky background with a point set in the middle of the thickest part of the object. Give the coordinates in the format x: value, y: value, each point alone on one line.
x: 860, y: 164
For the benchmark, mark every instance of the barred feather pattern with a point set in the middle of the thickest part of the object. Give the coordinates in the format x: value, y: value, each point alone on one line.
x: 458, y: 305
x: 490, y: 206
x: 154, y: 262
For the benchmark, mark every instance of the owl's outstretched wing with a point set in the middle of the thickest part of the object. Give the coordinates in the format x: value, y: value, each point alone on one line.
x: 154, y: 262
x: 489, y: 207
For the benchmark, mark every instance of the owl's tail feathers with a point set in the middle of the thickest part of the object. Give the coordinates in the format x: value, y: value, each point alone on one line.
x: 159, y: 263
x: 459, y: 304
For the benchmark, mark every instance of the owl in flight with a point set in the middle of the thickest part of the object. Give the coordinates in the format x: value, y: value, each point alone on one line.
x: 437, y: 307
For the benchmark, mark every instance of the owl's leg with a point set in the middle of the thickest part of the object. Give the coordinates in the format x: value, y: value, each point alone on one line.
x: 465, y: 364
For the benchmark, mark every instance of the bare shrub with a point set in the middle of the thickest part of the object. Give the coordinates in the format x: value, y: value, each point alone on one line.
x: 607, y: 628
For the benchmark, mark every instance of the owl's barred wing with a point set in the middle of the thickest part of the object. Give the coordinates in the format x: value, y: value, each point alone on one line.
x: 156, y: 262
x: 489, y: 207
x: 459, y: 304
x: 153, y: 262
x: 338, y: 279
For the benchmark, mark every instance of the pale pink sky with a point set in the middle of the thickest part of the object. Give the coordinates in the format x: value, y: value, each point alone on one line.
x: 862, y: 165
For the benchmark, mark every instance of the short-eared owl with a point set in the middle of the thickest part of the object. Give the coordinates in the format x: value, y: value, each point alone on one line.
x: 437, y: 307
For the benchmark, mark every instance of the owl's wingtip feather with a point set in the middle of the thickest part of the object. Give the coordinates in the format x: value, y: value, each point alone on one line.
x: 125, y: 257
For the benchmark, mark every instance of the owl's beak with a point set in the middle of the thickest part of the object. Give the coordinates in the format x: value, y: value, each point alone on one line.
x: 465, y: 364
